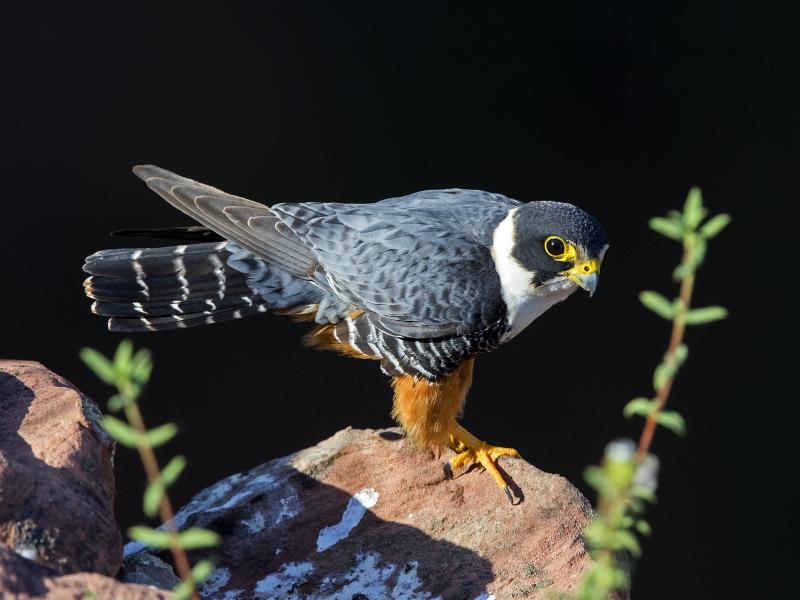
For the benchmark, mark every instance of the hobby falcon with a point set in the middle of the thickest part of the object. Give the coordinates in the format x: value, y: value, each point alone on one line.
x: 422, y: 283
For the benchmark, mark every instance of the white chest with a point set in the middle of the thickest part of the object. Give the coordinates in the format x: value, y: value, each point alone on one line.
x: 523, y: 302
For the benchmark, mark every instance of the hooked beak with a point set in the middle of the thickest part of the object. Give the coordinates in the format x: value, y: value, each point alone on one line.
x: 586, y: 274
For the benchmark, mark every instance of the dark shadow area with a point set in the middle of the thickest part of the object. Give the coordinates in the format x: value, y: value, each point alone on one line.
x: 273, y: 522
x: 15, y: 398
x: 60, y: 514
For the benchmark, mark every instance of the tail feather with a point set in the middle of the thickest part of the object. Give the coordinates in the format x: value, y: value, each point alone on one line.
x: 129, y: 262
x: 176, y: 286
x: 168, y: 307
x: 181, y: 321
x: 154, y: 289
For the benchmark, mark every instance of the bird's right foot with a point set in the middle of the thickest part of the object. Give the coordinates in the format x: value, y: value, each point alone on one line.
x: 470, y: 450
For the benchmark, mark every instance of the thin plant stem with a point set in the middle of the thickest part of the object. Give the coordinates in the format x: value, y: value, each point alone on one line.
x: 675, y: 341
x: 165, y: 512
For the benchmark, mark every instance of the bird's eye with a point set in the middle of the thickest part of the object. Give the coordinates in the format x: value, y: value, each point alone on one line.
x: 555, y: 246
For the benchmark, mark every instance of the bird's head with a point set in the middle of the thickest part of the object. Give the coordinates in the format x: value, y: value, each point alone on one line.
x: 558, y: 244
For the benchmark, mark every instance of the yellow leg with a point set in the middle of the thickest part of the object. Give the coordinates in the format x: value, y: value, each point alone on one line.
x: 471, y: 450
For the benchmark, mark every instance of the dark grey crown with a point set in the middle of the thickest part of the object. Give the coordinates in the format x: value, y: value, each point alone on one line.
x: 536, y: 221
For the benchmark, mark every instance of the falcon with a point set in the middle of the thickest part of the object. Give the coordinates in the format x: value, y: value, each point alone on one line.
x: 422, y: 284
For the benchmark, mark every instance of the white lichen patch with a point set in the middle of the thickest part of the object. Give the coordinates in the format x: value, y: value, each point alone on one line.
x: 255, y: 523
x: 229, y: 495
x: 215, y: 581
x: 407, y: 583
x: 367, y: 578
x: 282, y: 584
x: 290, y: 507
x: 257, y: 484
x: 353, y: 513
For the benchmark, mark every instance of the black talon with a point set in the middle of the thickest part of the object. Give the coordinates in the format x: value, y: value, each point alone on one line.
x: 507, y: 490
x: 448, y: 471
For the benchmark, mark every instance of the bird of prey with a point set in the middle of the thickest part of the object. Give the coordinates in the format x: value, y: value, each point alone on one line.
x: 422, y: 283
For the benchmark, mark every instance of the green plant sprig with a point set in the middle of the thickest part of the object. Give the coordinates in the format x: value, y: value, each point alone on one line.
x: 129, y: 374
x: 687, y: 228
x: 626, y: 479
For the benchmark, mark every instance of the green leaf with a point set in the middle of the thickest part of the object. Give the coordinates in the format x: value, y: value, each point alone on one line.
x: 715, y: 225
x: 672, y: 421
x: 183, y: 590
x: 200, y: 573
x: 173, y: 470
x: 671, y: 228
x: 639, y: 491
x: 700, y: 316
x: 625, y: 540
x: 681, y: 354
x: 121, y: 431
x: 626, y: 521
x: 153, y: 494
x: 99, y: 365
x: 156, y: 490
x: 160, y: 435
x: 699, y: 253
x: 693, y: 211
x: 202, y: 570
x: 658, y: 304
x: 117, y: 402
x: 142, y: 367
x: 682, y: 271
x: 639, y: 406
x: 665, y: 371
x: 595, y: 477
x: 643, y: 527
x: 198, y: 538
x: 122, y: 357
x: 151, y: 537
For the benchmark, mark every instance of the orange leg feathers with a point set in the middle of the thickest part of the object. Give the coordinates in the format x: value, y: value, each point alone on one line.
x: 427, y: 410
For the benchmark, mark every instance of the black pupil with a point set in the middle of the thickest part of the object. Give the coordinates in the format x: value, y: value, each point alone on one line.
x: 555, y: 247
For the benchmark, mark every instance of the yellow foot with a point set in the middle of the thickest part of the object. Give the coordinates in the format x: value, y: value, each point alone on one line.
x: 470, y: 450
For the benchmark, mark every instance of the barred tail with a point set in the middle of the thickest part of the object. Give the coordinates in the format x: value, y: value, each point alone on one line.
x: 174, y: 287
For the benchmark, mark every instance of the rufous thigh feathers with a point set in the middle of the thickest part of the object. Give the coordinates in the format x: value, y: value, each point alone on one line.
x: 427, y: 410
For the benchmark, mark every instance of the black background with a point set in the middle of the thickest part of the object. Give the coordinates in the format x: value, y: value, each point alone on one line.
x: 619, y: 109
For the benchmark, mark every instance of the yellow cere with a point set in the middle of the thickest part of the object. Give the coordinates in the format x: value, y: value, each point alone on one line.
x: 586, y: 267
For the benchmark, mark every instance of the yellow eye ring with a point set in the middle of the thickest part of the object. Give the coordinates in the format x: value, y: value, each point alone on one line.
x: 555, y: 247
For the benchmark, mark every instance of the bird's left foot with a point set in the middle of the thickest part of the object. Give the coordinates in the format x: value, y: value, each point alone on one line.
x: 470, y: 450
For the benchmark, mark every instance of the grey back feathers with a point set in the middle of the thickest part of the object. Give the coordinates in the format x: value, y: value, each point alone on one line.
x: 421, y: 262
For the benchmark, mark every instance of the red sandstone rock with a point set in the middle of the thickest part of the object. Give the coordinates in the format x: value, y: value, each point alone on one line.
x: 56, y: 473
x: 360, y: 516
x: 364, y: 515
x: 21, y: 579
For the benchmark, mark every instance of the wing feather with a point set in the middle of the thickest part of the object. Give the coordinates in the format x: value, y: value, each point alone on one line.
x: 217, y: 210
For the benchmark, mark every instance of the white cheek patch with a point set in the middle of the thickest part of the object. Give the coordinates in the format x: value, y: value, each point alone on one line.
x: 523, y: 302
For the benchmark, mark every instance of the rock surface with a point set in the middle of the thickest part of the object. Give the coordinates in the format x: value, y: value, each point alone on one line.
x: 56, y: 473
x: 365, y: 515
x: 22, y: 578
